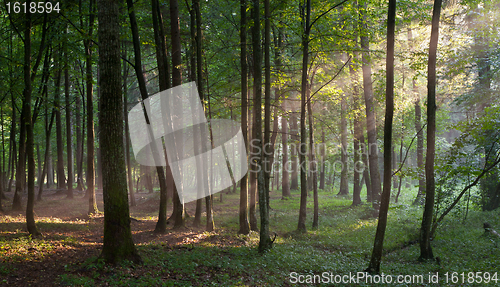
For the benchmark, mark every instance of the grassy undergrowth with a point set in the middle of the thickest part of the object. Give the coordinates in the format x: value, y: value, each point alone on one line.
x: 340, y: 246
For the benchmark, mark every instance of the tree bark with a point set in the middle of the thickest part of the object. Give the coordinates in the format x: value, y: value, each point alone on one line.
x: 161, y: 224
x: 302, y: 153
x: 425, y: 231
x: 323, y: 164
x: 344, y: 183
x: 294, y: 181
x: 61, y: 178
x: 175, y: 34
x: 420, y: 151
x: 265, y: 242
x: 69, y: 150
x: 117, y: 242
x: 90, y: 114
x: 285, y: 182
x: 243, y: 213
x: 28, y: 121
x: 127, y: 134
x: 372, y: 148
x: 374, y: 266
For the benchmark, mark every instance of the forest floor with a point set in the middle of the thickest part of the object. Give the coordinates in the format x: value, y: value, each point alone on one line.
x: 67, y: 254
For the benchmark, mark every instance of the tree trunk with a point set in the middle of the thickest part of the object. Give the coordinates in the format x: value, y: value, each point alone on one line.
x: 265, y: 242
x: 356, y: 194
x: 374, y: 266
x: 48, y: 129
x: 313, y: 163
x: 21, y: 163
x: 344, y: 183
x: 323, y: 164
x: 420, y: 151
x: 69, y: 150
x: 243, y: 216
x: 90, y: 114
x: 28, y: 121
x: 161, y: 224
x: 294, y: 181
x: 127, y: 134
x: 61, y: 178
x: 302, y: 153
x: 175, y: 33
x: 372, y: 148
x: 117, y: 242
x: 79, y: 144
x: 285, y: 183
x: 425, y: 231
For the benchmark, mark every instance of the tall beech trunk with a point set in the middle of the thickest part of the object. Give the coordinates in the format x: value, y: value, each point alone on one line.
x: 48, y: 129
x: 161, y: 224
x: 344, y: 188
x: 127, y: 133
x: 425, y: 231
x: 79, y: 144
x: 372, y: 148
x: 366, y: 169
x: 323, y: 164
x: 420, y: 151
x: 294, y: 129
x: 265, y: 242
x: 69, y: 150
x: 90, y: 114
x: 21, y: 162
x: 117, y: 242
x: 243, y: 216
x: 28, y: 121
x: 285, y: 182
x: 374, y: 266
x: 164, y: 82
x: 61, y: 178
x: 175, y: 34
x: 302, y: 153
x: 313, y: 163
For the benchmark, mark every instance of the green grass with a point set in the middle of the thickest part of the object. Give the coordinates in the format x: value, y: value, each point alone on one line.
x: 341, y: 244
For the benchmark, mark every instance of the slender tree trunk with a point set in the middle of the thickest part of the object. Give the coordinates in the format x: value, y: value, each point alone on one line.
x: 302, y: 153
x: 61, y: 178
x: 323, y: 164
x: 79, y: 144
x: 313, y: 163
x: 117, y: 242
x: 356, y: 194
x: 127, y: 134
x: 372, y: 148
x: 176, y: 81
x: 265, y: 242
x: 374, y: 266
x: 30, y: 216
x: 420, y: 151
x: 425, y: 231
x: 90, y: 114
x: 161, y: 224
x: 21, y: 163
x: 48, y: 129
x: 294, y: 181
x: 285, y: 182
x: 344, y: 182
x: 69, y: 150
x: 243, y: 217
